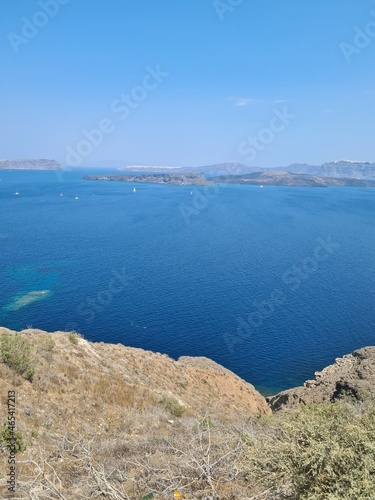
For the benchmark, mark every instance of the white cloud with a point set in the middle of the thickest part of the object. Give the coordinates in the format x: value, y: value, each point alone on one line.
x: 245, y: 101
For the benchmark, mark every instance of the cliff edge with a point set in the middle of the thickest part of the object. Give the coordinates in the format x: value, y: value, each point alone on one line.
x: 98, y: 380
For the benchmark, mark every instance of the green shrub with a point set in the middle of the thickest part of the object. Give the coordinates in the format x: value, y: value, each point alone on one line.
x: 73, y: 337
x: 320, y: 452
x: 6, y: 441
x: 15, y: 352
x: 173, y: 406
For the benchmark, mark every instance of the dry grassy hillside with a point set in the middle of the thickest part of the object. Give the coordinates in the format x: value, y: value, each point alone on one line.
x: 83, y: 407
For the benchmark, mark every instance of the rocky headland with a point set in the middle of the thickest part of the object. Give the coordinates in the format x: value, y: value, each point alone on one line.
x: 352, y: 375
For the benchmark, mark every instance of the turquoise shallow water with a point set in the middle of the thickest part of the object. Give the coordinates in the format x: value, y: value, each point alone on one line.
x: 247, y: 282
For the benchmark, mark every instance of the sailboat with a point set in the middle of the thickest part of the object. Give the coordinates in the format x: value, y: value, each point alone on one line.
x: 134, y: 190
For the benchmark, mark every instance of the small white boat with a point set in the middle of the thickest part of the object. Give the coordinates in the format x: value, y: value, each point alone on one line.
x: 61, y: 194
x: 16, y: 193
x: 261, y: 186
x: 76, y: 197
x: 191, y: 192
x: 134, y: 190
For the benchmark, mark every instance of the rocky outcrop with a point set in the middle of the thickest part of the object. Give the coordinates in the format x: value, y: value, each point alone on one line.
x: 353, y: 375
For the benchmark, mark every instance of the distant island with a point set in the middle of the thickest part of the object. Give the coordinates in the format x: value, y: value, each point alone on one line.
x: 38, y: 164
x: 281, y: 178
x: 187, y: 179
x: 268, y: 178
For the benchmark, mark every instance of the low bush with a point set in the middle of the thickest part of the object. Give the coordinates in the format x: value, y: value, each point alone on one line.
x: 73, y: 337
x: 173, y: 406
x: 320, y: 452
x: 15, y: 352
x: 11, y: 441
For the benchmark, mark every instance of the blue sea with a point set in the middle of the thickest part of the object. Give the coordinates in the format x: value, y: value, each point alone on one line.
x: 272, y: 283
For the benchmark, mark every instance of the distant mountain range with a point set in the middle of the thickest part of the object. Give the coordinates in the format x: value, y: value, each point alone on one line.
x: 282, y: 178
x: 39, y: 164
x: 336, y: 169
x: 339, y: 169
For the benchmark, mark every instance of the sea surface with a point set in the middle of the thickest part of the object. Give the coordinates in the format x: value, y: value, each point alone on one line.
x: 272, y: 283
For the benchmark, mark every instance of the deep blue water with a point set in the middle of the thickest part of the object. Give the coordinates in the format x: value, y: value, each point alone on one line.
x: 126, y: 267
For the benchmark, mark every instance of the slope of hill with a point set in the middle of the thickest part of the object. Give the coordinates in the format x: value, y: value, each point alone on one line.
x: 107, y: 402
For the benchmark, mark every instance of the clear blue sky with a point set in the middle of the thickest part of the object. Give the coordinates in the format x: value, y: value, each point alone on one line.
x: 226, y: 77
